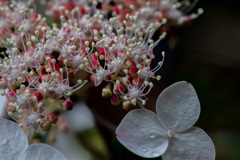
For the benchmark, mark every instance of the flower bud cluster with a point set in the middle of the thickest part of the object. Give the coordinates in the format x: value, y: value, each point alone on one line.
x: 40, y: 63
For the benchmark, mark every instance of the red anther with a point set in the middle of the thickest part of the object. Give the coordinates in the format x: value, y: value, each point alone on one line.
x: 37, y: 96
x: 68, y: 105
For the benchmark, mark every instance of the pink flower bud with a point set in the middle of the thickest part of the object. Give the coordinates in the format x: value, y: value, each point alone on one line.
x: 72, y: 74
x: 116, y: 89
x: 3, y: 83
x: 133, y: 70
x: 101, y: 51
x: 82, y: 10
x: 129, y: 63
x: 68, y: 105
x: 37, y: 96
x: 115, y: 100
x: 61, y: 60
x: 93, y: 56
x: 11, y: 94
x: 40, y: 79
x: 10, y: 107
x: 137, y: 82
x: 70, y: 6
x: 41, y: 70
x: 92, y: 78
x: 46, y: 77
x: 94, y: 64
x: 38, y: 109
x: 52, y: 117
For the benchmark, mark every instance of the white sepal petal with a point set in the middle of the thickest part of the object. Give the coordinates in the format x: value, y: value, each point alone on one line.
x: 178, y: 107
x: 140, y: 132
x: 40, y: 151
x: 191, y: 144
x: 3, y: 104
x: 13, y: 141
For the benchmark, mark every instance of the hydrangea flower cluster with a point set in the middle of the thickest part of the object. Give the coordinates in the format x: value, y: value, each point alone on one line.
x: 111, y: 41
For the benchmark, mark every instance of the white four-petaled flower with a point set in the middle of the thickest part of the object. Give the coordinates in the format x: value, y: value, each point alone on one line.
x: 14, y: 145
x: 169, y: 133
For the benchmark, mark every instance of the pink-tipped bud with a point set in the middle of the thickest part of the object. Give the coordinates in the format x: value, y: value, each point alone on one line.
x: 68, y: 105
x: 52, y: 117
x: 115, y: 100
x: 46, y: 77
x: 37, y: 96
x: 92, y: 78
x: 127, y: 105
x: 46, y: 126
x: 121, y: 53
x: 11, y: 94
x: 117, y: 89
x: 61, y: 60
x: 38, y: 109
x: 133, y: 70
x: 137, y: 82
x: 101, y: 51
x: 94, y: 64
x: 3, y: 83
x: 41, y: 70
x: 10, y: 107
x: 40, y: 79
x: 53, y: 66
x: 72, y: 74
x: 129, y: 63
x: 93, y: 56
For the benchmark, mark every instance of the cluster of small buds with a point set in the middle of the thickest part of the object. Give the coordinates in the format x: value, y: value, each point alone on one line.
x: 40, y: 62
